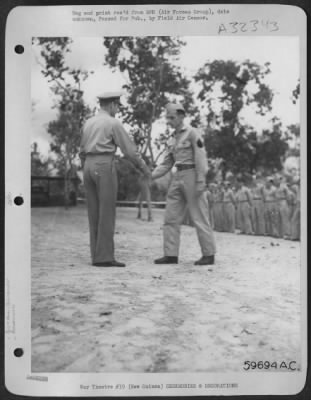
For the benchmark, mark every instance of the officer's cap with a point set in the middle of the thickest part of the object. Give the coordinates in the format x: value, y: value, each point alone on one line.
x: 110, y: 95
x: 175, y: 107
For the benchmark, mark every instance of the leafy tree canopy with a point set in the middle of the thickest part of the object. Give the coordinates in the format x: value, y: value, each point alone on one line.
x: 153, y: 80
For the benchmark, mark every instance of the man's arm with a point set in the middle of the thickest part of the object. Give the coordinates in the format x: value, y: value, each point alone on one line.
x: 287, y: 193
x: 250, y: 197
x: 128, y: 148
x: 232, y: 197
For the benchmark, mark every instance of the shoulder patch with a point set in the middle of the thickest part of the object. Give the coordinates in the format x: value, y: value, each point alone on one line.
x: 200, y: 143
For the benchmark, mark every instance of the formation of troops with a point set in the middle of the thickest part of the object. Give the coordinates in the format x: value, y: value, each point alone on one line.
x: 267, y: 206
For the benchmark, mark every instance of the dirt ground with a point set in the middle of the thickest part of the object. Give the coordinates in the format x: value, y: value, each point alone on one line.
x: 151, y: 318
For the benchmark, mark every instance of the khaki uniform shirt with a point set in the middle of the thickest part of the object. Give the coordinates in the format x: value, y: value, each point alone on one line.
x: 282, y: 192
x: 102, y: 134
x: 243, y: 195
x: 229, y: 196
x: 269, y: 194
x: 186, y: 147
x: 257, y: 192
x: 219, y: 196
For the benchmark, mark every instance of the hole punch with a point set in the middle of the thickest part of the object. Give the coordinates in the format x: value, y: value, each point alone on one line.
x: 18, y: 352
x: 18, y: 200
x: 19, y: 49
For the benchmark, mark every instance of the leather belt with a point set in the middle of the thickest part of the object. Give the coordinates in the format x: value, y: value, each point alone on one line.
x: 182, y: 167
x: 107, y: 154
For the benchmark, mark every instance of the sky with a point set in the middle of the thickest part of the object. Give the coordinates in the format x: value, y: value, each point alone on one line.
x: 88, y: 53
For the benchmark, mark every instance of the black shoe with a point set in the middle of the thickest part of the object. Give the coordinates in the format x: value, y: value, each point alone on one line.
x: 205, y: 260
x: 166, y: 260
x: 113, y: 263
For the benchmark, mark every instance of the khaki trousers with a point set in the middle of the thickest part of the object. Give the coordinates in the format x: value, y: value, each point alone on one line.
x: 258, y: 216
x: 182, y: 193
x: 100, y: 182
x: 269, y: 207
x: 283, y: 220
x: 229, y: 217
x: 244, y: 215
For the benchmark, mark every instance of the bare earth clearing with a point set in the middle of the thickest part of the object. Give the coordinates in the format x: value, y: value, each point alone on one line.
x: 150, y: 318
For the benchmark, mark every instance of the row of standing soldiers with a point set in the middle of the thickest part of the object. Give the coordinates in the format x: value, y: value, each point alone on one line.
x: 269, y: 207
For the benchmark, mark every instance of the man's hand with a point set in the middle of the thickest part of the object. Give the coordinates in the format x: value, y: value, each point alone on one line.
x: 200, y: 188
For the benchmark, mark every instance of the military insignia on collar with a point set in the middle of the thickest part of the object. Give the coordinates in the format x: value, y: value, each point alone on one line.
x: 199, y: 143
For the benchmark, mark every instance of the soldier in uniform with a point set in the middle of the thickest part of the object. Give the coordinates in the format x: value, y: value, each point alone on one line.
x: 269, y: 206
x: 229, y: 208
x: 244, y: 205
x: 258, y: 211
x: 282, y: 217
x: 185, y: 151
x: 101, y: 135
x: 237, y: 208
x: 220, y: 200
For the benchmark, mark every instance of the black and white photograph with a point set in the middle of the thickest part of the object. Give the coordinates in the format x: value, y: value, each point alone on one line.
x: 165, y: 204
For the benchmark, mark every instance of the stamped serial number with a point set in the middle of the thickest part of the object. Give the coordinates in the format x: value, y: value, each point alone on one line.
x: 290, y: 365
x: 253, y: 25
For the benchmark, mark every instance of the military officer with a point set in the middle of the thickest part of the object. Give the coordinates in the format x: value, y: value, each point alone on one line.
x: 101, y: 135
x: 185, y: 151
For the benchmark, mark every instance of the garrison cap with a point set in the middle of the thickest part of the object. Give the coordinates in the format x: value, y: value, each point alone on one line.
x: 109, y: 95
x: 175, y: 107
